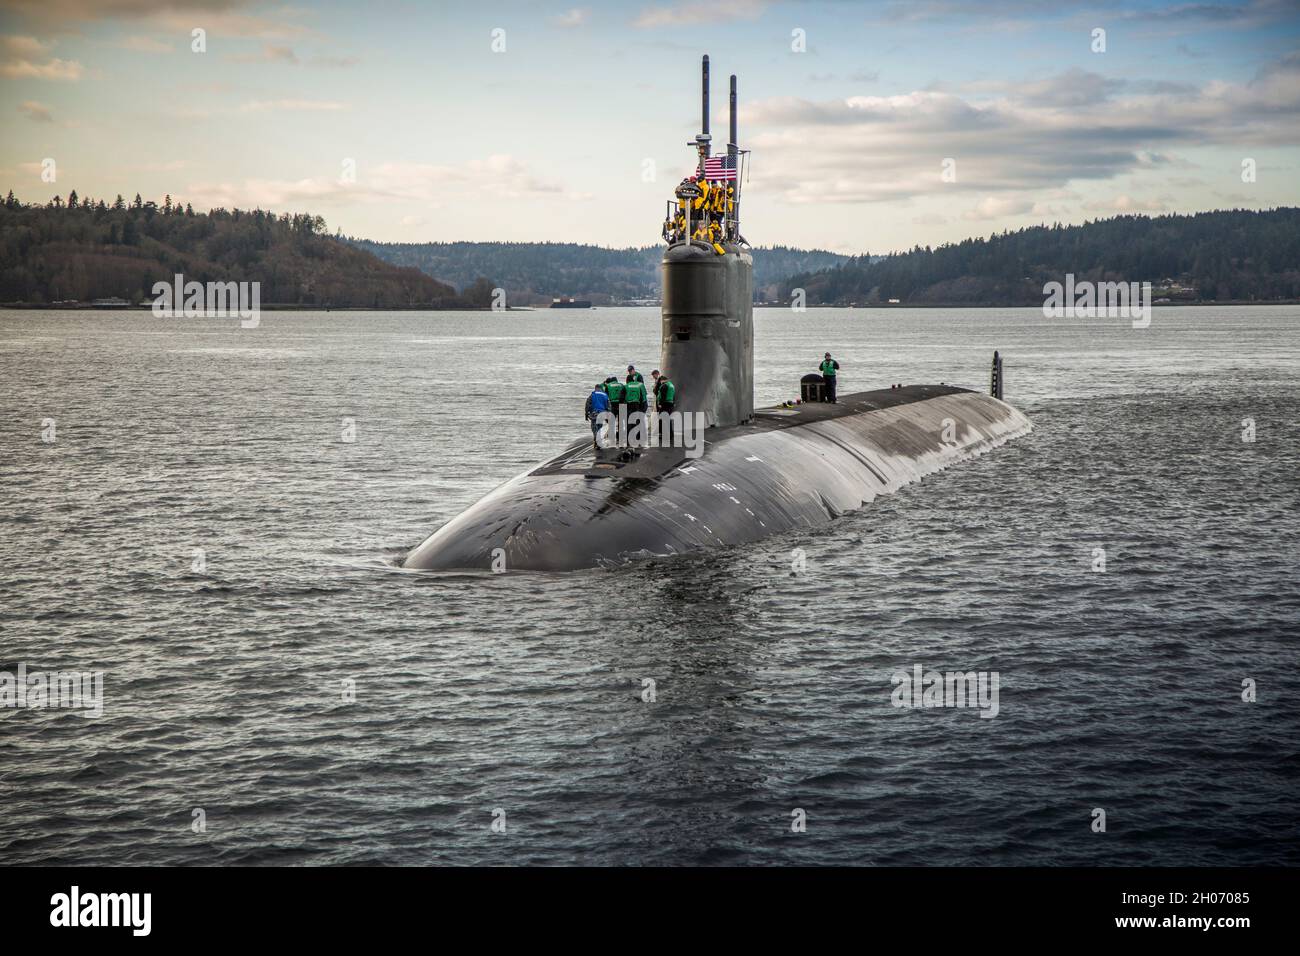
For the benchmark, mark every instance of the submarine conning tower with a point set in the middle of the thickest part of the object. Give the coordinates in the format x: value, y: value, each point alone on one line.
x: 708, y: 284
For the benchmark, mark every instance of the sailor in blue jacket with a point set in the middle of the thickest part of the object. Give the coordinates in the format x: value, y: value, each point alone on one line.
x: 597, y: 402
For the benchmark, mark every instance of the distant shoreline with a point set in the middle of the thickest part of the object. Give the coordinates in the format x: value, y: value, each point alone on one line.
x: 87, y: 307
x: 270, y: 307
x: 1021, y: 305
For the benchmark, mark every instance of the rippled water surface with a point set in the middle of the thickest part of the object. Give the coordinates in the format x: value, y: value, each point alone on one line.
x: 224, y: 690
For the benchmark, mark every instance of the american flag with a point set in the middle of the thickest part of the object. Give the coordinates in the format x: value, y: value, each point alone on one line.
x: 719, y: 168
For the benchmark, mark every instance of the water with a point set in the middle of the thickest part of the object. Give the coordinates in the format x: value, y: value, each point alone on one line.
x: 224, y: 690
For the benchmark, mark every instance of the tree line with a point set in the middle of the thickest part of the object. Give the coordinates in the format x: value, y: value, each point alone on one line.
x: 1229, y: 255
x: 536, y: 272
x: 79, y: 249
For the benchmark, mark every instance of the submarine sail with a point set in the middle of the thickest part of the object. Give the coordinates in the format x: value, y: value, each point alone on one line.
x: 762, y: 472
x: 707, y: 338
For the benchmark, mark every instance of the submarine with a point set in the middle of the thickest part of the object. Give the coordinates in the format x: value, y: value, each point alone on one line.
x: 753, y: 472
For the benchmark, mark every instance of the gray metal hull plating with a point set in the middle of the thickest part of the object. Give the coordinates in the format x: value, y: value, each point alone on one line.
x: 785, y: 470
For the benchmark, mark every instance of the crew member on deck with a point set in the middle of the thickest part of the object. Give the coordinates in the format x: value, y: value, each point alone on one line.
x: 634, y: 394
x: 615, y: 389
x: 829, y: 368
x: 597, y: 402
x: 633, y: 375
x: 665, y: 399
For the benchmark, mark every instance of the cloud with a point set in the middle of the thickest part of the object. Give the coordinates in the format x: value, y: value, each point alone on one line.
x: 993, y: 207
x: 37, y: 112
x: 1007, y: 13
x: 571, y: 18
x: 22, y: 46
x: 919, y: 11
x: 258, y: 106
x: 1038, y: 136
x: 1161, y: 87
x: 145, y: 44
x: 1125, y: 204
x: 864, y: 76
x: 270, y: 53
x: 21, y: 56
x: 1240, y: 199
x: 495, y: 177
x: 334, y: 62
x: 281, y: 53
x: 1254, y: 13
x: 297, y: 106
x: 697, y: 13
x: 82, y: 10
x: 50, y: 70
x: 1146, y: 159
x: 223, y: 18
x: 1074, y: 87
x: 166, y: 166
x: 225, y: 23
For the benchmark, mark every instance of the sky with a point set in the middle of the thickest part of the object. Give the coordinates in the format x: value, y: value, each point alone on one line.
x: 873, y: 126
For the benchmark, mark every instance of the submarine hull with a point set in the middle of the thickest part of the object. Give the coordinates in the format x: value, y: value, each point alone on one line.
x: 786, y: 469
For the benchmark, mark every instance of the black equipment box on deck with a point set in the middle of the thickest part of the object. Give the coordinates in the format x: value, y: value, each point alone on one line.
x: 812, y: 388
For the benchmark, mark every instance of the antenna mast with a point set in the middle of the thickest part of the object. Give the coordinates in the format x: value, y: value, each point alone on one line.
x: 703, y: 139
x: 733, y: 151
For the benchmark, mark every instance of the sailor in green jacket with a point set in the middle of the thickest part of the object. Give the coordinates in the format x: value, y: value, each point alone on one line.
x: 828, y: 369
x: 665, y: 399
x: 634, y: 394
x: 615, y: 390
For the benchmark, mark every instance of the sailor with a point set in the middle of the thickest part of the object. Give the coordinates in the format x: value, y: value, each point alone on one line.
x: 597, y: 402
x: 702, y: 199
x: 829, y: 368
x: 665, y: 399
x: 634, y: 394
x: 615, y: 389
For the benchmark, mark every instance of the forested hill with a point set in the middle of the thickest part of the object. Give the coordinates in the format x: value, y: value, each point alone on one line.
x: 536, y: 272
x: 1235, y: 255
x: 80, y: 249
